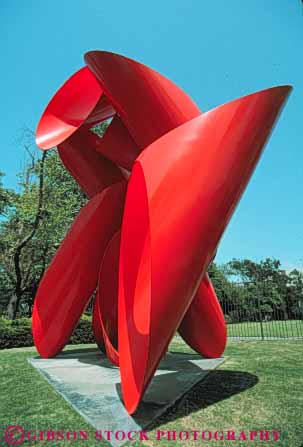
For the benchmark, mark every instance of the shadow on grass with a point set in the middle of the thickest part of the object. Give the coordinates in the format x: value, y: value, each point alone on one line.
x: 217, y: 386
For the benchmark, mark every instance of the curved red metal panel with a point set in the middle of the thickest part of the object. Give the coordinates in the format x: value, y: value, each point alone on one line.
x: 97, y: 328
x: 117, y: 145
x: 79, y: 101
x: 182, y: 192
x: 149, y: 104
x: 203, y: 327
x: 91, y: 170
x: 102, y: 111
x: 106, y: 302
x: 72, y: 276
x: 68, y: 109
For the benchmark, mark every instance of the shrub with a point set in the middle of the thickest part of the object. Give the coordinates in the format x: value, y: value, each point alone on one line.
x: 18, y: 333
x: 228, y: 319
x: 83, y: 332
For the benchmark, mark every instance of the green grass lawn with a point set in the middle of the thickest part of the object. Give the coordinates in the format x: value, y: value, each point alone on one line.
x: 284, y: 329
x: 259, y: 386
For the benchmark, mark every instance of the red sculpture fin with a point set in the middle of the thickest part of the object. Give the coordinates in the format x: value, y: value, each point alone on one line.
x: 72, y: 276
x: 175, y: 214
x: 105, y: 311
x: 203, y: 326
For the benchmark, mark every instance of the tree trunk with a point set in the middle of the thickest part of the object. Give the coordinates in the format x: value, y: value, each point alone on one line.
x: 13, y: 306
x: 14, y: 302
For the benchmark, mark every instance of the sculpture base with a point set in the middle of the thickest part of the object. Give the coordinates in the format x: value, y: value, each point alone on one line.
x: 91, y: 385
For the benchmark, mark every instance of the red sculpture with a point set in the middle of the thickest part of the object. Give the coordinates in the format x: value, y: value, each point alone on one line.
x: 145, y: 242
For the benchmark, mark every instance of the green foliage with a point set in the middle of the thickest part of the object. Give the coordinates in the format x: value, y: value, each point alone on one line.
x: 18, y: 333
x: 220, y: 281
x: 83, y: 332
x: 250, y: 291
x: 266, y: 290
x: 99, y: 129
x: 37, y: 219
x: 295, y: 292
x: 226, y: 290
x: 15, y: 334
x: 62, y: 200
x: 6, y: 197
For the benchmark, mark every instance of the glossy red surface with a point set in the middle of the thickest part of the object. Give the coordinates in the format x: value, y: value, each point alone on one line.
x: 102, y: 111
x: 175, y: 213
x: 91, y: 170
x: 68, y: 109
x: 97, y: 328
x: 72, y: 276
x: 203, y: 327
x: 149, y: 104
x: 106, y: 303
x: 117, y: 145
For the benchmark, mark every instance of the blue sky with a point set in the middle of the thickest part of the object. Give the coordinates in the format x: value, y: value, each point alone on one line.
x: 215, y: 50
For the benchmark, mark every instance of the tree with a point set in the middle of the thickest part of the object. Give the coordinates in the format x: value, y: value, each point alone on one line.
x: 220, y: 282
x: 295, y: 293
x: 37, y: 220
x: 6, y: 197
x: 14, y: 302
x: 42, y: 213
x: 266, y: 285
x: 231, y: 295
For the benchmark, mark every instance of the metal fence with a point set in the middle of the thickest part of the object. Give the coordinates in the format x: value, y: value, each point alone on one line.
x: 253, y: 322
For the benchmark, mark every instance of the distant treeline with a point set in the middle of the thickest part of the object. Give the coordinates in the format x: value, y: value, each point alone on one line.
x: 254, y: 291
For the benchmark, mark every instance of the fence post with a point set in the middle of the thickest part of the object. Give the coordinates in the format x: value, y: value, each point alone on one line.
x: 260, y: 318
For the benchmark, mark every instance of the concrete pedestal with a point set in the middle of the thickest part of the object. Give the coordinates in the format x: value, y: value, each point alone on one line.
x: 91, y: 384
